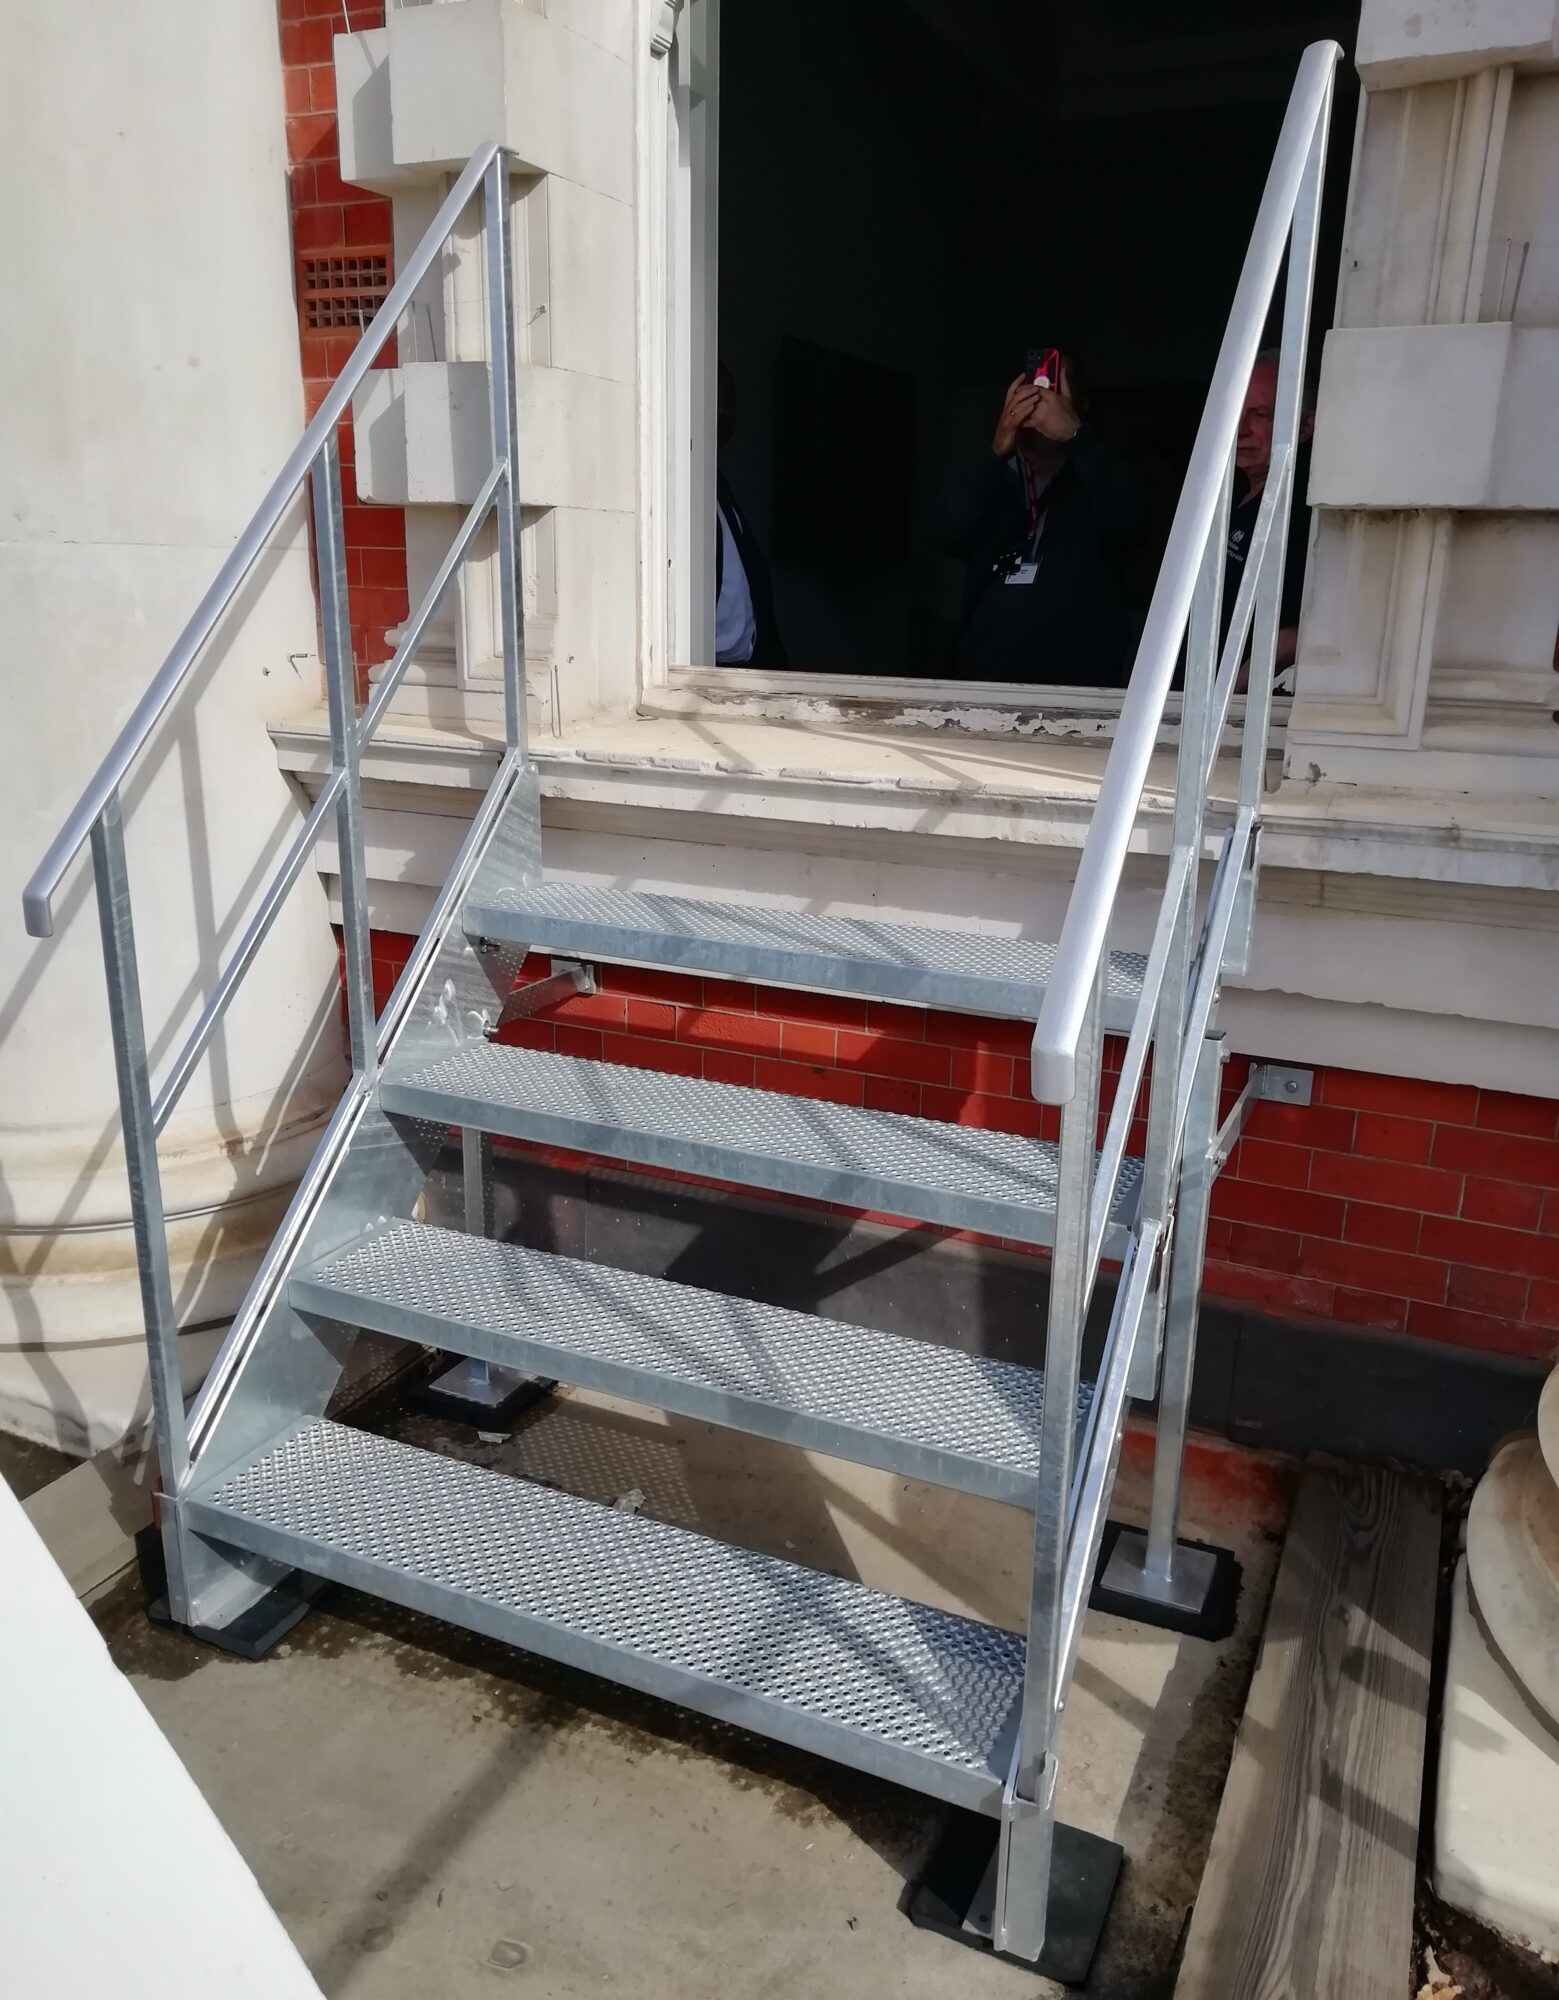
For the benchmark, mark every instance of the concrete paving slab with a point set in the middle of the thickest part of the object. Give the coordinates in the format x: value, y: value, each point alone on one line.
x: 1496, y: 1831
x: 429, y: 1812
x: 1513, y: 1567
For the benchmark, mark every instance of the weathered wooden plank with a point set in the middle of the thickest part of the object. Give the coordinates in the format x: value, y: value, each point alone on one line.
x: 1308, y: 1889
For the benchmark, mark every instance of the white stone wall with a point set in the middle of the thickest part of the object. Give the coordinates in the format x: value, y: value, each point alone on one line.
x: 1428, y: 643
x: 416, y: 99
x: 153, y: 391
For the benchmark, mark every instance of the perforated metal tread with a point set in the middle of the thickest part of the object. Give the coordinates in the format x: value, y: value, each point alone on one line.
x: 966, y: 971
x: 950, y: 1174
x: 913, y: 1694
x: 908, y: 1406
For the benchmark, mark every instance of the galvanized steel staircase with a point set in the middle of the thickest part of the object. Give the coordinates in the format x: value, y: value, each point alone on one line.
x: 259, y: 1485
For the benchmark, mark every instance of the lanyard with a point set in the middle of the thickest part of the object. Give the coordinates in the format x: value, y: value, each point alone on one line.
x: 1036, y: 498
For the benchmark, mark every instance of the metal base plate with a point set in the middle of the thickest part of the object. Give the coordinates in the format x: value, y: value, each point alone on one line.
x: 1200, y: 1599
x: 254, y: 1632
x: 481, y: 1393
x: 956, y: 1896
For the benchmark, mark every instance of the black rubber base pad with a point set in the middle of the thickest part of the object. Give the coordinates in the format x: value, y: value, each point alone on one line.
x: 954, y: 1894
x: 251, y: 1635
x: 1215, y: 1618
x: 456, y: 1409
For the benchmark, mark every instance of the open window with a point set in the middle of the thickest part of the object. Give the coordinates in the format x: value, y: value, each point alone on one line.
x: 876, y: 212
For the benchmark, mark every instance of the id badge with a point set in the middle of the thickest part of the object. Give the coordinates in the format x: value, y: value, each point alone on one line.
x: 1024, y: 573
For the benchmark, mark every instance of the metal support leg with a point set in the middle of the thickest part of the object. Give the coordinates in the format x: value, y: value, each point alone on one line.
x: 345, y: 752
x: 1027, y: 1857
x: 231, y: 1601
x: 128, y: 1031
x: 503, y: 413
x: 472, y: 1391
x: 1178, y: 1584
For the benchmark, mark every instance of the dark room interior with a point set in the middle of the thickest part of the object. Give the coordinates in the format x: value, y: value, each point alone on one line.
x: 913, y: 193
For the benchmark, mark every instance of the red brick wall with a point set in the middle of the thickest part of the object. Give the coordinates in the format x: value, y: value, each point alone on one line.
x: 1420, y: 1208
x: 328, y: 216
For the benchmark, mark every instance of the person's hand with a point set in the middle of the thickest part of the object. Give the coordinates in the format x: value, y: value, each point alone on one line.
x: 1055, y: 414
x: 1017, y: 414
x: 1049, y: 413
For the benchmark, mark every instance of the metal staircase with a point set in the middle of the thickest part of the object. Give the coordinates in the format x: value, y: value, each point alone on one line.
x: 260, y: 1491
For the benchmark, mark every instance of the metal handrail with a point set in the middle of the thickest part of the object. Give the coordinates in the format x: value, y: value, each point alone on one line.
x: 144, y: 1111
x: 1084, y: 933
x: 1155, y: 1301
x: 38, y: 896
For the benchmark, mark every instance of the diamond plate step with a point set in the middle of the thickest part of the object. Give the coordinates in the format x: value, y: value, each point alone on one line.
x: 914, y: 1695
x: 908, y: 1406
x: 968, y: 972
x: 955, y: 1175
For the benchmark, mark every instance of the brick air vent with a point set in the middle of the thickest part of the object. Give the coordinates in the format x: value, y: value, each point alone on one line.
x: 343, y: 291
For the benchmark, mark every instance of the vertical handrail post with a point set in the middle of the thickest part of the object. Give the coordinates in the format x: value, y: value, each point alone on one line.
x: 1182, y: 1307
x: 1024, y: 1873
x: 127, y: 1029
x: 1201, y: 669
x: 503, y: 409
x: 345, y: 753
x: 476, y: 1163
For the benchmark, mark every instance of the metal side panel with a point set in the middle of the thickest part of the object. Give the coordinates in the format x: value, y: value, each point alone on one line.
x: 909, y: 1406
x: 911, y: 1694
x: 970, y: 972
x: 955, y: 1175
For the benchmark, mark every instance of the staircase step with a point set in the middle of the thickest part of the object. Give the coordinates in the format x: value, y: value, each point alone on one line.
x: 955, y: 1175
x: 909, y: 1406
x: 968, y: 972
x: 908, y: 1693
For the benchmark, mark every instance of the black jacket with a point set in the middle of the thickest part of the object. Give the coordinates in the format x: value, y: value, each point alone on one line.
x: 1071, y: 626
x: 1243, y: 511
x: 768, y: 649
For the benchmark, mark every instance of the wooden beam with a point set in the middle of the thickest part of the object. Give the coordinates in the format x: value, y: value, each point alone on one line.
x: 1309, y: 1883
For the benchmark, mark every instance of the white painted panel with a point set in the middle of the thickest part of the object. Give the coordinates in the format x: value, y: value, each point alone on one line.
x: 118, y: 1877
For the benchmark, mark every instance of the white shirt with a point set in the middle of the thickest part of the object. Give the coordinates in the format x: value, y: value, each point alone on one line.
x: 736, y: 623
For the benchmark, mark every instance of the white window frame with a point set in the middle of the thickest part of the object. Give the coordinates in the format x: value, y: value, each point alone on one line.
x: 678, y: 249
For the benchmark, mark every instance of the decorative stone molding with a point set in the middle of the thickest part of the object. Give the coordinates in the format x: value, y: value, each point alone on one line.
x: 1407, y: 42
x: 664, y: 31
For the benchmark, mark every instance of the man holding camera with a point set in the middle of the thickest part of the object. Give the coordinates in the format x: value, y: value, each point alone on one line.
x: 1045, y: 531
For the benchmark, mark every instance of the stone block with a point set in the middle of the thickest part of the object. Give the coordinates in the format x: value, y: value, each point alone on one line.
x: 1438, y: 416
x: 1403, y: 42
x: 421, y: 434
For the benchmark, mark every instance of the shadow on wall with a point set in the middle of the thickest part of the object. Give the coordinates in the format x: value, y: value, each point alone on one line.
x: 227, y: 1172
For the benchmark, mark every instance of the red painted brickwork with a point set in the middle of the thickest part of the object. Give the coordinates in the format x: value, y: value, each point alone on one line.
x: 1419, y: 1208
x: 328, y: 216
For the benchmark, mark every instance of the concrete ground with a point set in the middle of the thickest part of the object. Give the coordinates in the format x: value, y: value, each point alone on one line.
x: 432, y: 1816
x: 25, y: 1466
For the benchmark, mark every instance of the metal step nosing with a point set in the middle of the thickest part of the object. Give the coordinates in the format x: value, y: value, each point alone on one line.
x: 879, y: 1756
x: 699, y: 1401
x: 773, y: 965
x: 1022, y: 1222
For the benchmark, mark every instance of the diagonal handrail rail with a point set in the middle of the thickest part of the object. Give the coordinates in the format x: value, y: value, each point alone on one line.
x: 38, y: 896
x: 1152, y: 1343
x: 96, y: 816
x: 1085, y: 929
